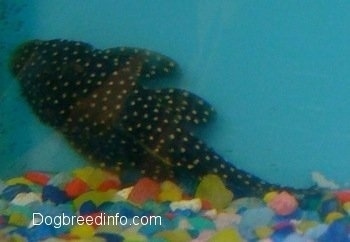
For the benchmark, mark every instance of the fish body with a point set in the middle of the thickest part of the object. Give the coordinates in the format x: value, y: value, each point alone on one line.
x: 96, y: 99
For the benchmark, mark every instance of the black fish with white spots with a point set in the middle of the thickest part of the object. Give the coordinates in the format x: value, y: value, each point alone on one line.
x: 96, y: 100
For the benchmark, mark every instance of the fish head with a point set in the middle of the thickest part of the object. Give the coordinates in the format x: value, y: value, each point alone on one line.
x: 55, y: 74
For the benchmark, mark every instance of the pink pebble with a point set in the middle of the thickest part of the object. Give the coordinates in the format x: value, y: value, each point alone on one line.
x: 224, y: 220
x: 283, y: 203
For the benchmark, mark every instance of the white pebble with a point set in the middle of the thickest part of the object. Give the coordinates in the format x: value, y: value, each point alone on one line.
x: 194, y: 205
x: 323, y: 182
x: 212, y: 213
x: 23, y: 199
x: 124, y: 193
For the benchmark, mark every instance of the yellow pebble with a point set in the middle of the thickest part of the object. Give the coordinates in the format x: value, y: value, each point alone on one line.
x: 92, y: 176
x: 82, y: 231
x: 132, y: 236
x: 263, y: 232
x: 18, y: 180
x: 227, y: 234
x: 305, y: 225
x: 333, y: 216
x: 170, y: 192
x: 93, y: 239
x: 269, y: 196
x: 177, y: 235
x: 18, y: 219
x: 95, y: 196
x: 109, y: 228
x: 346, y: 207
x: 212, y: 189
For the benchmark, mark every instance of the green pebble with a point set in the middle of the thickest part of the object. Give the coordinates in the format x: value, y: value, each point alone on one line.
x: 17, y: 238
x: 18, y: 219
x: 24, y: 210
x: 227, y: 234
x: 2, y: 185
x: 3, y: 205
x: 177, y: 235
x: 60, y: 179
x: 201, y: 223
x: 157, y: 240
x: 36, y: 189
x: 212, y: 189
x: 131, y: 236
x: 263, y: 232
x: 109, y: 228
x: 154, y: 207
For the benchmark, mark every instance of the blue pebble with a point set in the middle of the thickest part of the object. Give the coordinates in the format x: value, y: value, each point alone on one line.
x: 2, y: 186
x: 105, y: 205
x: 193, y: 233
x: 23, y: 231
x: 87, y: 207
x: 110, y: 237
x: 66, y: 208
x: 41, y: 232
x: 36, y: 233
x: 241, y: 210
x: 48, y: 209
x: 11, y: 191
x: 315, y: 232
x: 327, y: 206
x: 155, y: 208
x: 282, y: 232
x: 277, y: 237
x: 151, y: 229
x: 253, y: 218
x: 257, y: 217
x: 337, y: 231
x: 311, y: 215
x: 297, y: 214
x: 54, y: 194
x: 296, y: 238
x: 183, y: 212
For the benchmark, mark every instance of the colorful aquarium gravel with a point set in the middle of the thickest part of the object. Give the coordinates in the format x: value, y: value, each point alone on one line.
x: 172, y: 186
x: 90, y: 204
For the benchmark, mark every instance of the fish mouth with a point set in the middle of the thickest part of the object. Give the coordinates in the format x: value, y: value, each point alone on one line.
x: 21, y: 57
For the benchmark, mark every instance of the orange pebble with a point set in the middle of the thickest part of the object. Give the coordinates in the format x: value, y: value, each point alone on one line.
x: 145, y: 189
x: 76, y: 187
x: 343, y: 196
x: 37, y: 177
x: 206, y: 205
x: 109, y: 184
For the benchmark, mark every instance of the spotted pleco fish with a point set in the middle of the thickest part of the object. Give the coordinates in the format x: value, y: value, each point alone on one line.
x: 96, y: 99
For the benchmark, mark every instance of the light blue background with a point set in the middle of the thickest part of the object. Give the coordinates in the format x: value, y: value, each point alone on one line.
x: 277, y: 72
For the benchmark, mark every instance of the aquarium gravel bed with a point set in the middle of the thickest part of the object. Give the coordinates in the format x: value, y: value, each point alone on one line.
x: 91, y: 204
